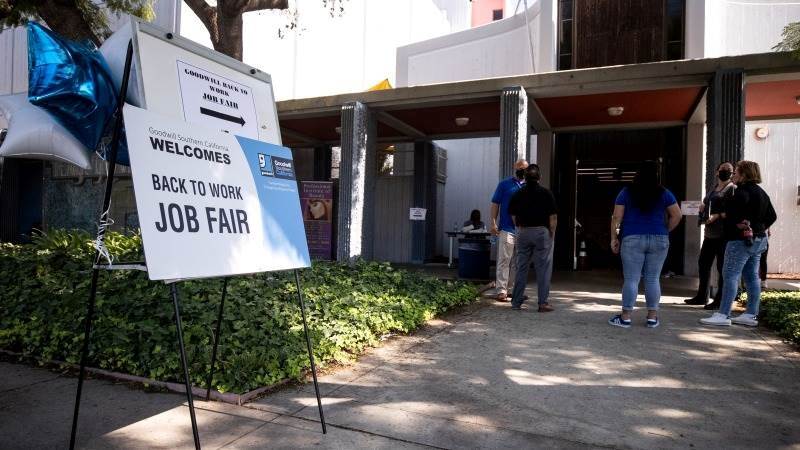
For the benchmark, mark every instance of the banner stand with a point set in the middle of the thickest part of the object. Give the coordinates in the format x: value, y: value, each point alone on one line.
x: 217, y: 331
x: 176, y: 303
x: 96, y: 266
x: 112, y: 165
x: 310, y: 350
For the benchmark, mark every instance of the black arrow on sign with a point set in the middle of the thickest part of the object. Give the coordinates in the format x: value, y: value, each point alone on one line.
x: 223, y: 116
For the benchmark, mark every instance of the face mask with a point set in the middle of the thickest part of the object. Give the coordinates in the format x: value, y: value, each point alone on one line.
x: 724, y: 175
x: 520, y: 173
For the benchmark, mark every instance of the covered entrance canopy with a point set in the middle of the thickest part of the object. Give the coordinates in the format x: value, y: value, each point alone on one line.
x: 662, y: 93
x: 719, y: 92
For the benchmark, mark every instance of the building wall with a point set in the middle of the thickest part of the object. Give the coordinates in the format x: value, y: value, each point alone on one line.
x: 483, y: 11
x: 734, y: 27
x: 779, y: 159
x: 309, y: 62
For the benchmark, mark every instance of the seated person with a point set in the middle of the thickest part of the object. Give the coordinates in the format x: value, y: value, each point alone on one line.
x: 474, y: 223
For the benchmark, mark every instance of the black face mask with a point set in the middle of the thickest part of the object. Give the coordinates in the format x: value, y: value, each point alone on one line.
x: 520, y: 173
x: 724, y: 175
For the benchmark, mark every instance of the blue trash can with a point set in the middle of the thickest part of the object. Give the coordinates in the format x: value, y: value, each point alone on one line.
x: 473, y: 258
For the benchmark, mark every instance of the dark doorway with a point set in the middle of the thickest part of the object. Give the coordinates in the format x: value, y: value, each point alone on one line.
x: 20, y: 199
x: 590, y: 170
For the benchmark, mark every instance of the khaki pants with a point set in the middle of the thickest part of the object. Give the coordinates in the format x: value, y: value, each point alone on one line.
x: 506, y: 262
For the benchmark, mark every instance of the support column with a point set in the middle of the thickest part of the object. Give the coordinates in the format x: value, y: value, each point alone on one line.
x: 423, y: 233
x: 514, y: 130
x: 725, y: 120
x: 356, y: 183
x: 694, y: 191
x: 544, y: 156
x: 322, y: 163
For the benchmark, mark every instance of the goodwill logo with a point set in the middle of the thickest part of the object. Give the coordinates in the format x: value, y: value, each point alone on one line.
x: 265, y: 165
x: 273, y: 166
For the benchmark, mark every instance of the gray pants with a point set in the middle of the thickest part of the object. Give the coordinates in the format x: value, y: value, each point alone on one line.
x: 533, y: 244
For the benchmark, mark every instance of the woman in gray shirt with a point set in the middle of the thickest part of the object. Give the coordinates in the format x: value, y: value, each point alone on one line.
x: 714, y: 240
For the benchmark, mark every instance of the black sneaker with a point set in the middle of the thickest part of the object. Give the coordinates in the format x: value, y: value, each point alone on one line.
x: 714, y: 305
x: 695, y: 301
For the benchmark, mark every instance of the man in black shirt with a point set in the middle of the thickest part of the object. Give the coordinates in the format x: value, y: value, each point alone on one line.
x: 534, y: 211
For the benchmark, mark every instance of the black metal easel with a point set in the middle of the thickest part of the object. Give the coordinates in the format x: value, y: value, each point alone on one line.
x: 112, y: 162
x: 112, y: 165
x: 217, y: 332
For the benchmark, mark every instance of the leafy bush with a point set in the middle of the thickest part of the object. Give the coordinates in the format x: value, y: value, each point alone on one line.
x: 780, y: 311
x: 44, y: 289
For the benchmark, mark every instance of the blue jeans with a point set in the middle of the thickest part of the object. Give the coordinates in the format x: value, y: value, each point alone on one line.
x: 642, y: 255
x: 534, y: 244
x: 741, y: 261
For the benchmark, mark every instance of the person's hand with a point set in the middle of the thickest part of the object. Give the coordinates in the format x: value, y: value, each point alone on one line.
x: 615, y: 246
x: 552, y: 233
x: 702, y: 207
x: 493, y: 230
x: 712, y: 218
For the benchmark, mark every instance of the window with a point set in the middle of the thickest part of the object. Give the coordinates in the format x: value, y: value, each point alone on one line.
x: 497, y: 14
x: 565, y: 21
x: 674, y: 29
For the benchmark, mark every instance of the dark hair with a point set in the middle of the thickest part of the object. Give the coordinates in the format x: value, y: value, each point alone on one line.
x: 475, y: 216
x: 646, y: 190
x: 726, y: 162
x: 533, y: 172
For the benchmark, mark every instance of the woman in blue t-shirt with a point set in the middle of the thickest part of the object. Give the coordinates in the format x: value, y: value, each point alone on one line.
x: 644, y: 214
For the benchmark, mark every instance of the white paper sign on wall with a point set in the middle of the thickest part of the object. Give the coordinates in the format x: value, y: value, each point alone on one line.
x: 690, y: 207
x: 417, y: 213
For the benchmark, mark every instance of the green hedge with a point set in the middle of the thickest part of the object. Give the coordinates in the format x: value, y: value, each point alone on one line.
x: 780, y: 310
x: 44, y: 289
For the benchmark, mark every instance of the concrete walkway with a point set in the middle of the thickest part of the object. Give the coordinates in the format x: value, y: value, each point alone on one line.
x: 485, y: 377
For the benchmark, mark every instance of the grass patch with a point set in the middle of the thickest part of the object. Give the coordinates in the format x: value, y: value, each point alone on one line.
x: 780, y: 311
x: 45, y: 289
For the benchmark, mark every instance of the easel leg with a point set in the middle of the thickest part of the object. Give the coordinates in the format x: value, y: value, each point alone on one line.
x: 84, y: 355
x: 184, y: 364
x: 216, y: 337
x: 310, y: 351
x: 112, y: 165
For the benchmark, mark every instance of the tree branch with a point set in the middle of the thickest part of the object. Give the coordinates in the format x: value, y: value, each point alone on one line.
x: 208, y: 15
x: 258, y: 5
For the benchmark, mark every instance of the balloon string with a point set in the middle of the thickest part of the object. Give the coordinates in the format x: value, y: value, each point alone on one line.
x: 99, y: 243
x: 104, y: 224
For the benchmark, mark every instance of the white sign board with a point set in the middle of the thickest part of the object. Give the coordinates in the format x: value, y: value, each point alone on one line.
x: 184, y: 80
x: 211, y: 98
x: 690, y: 207
x: 417, y: 213
x: 212, y: 204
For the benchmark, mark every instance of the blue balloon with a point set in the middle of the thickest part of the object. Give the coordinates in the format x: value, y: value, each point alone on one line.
x: 72, y: 82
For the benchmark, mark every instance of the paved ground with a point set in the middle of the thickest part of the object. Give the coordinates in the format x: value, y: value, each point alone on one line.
x: 487, y: 377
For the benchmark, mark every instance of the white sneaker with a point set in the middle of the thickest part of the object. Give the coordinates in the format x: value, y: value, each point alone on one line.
x: 746, y: 319
x: 717, y: 319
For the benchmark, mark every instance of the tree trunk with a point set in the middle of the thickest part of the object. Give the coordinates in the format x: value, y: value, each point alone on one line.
x: 65, y: 19
x: 230, y: 35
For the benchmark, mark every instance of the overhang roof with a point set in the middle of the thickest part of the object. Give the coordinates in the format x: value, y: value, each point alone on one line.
x: 653, y: 94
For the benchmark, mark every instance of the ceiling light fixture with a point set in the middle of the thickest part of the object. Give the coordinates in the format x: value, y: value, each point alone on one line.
x: 462, y: 121
x: 615, y: 111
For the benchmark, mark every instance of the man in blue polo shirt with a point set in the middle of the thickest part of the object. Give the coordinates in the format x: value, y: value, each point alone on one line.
x: 503, y: 228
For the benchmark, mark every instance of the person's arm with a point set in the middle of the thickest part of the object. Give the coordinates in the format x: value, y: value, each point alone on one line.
x: 673, y: 216
x: 494, y: 212
x: 553, y: 224
x: 616, y: 221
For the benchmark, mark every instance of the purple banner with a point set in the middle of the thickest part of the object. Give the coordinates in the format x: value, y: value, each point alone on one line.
x: 316, y: 201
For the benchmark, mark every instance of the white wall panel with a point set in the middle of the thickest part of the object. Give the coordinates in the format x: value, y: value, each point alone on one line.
x: 779, y: 159
x: 471, y: 180
x: 755, y: 26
